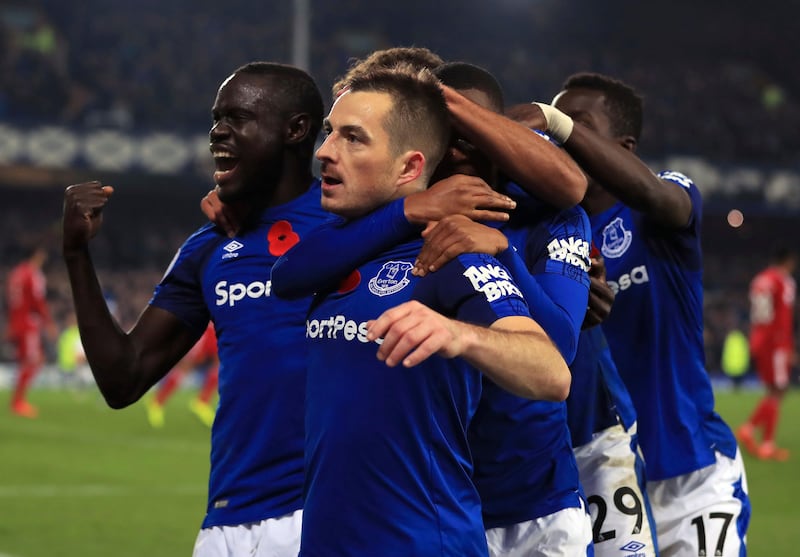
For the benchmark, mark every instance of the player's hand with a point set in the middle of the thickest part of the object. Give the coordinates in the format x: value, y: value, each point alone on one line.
x: 412, y: 332
x: 83, y: 213
x: 459, y: 194
x: 528, y: 115
x: 220, y: 214
x: 601, y: 297
x: 452, y: 236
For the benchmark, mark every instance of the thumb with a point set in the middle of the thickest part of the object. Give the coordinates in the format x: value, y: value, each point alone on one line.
x: 429, y: 228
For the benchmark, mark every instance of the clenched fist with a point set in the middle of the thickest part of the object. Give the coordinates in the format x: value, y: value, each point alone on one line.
x: 83, y: 213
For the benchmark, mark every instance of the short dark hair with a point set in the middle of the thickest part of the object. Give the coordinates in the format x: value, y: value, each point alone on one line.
x: 461, y: 75
x: 293, y: 91
x: 623, y: 104
x: 418, y: 119
x: 416, y: 56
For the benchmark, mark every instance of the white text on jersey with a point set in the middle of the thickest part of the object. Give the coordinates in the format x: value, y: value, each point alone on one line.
x: 573, y: 251
x: 638, y: 275
x: 332, y: 326
x: 236, y: 291
x: 493, y: 281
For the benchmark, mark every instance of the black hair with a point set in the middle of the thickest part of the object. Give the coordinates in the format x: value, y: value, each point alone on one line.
x: 623, y: 104
x: 461, y: 75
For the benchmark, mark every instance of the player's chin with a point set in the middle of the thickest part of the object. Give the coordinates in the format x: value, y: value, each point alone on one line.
x: 228, y: 190
x: 338, y: 206
x: 329, y: 202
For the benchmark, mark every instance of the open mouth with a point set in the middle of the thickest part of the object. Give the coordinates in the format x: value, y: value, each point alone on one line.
x: 225, y: 164
x: 330, y: 181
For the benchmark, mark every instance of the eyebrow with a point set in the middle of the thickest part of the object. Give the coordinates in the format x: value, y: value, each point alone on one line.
x: 352, y: 128
x: 349, y: 128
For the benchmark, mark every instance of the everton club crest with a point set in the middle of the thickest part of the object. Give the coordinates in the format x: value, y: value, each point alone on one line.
x: 392, y: 278
x: 616, y: 239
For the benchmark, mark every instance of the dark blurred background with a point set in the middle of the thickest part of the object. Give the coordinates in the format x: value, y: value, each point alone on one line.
x: 121, y: 92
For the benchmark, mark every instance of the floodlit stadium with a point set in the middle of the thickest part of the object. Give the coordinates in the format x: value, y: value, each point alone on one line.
x: 122, y: 93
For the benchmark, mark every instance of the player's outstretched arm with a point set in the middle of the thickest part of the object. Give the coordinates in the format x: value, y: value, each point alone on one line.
x: 307, y: 267
x: 124, y: 365
x: 556, y: 300
x: 458, y: 194
x: 450, y: 237
x: 530, y: 160
x: 614, y: 164
x: 514, y: 352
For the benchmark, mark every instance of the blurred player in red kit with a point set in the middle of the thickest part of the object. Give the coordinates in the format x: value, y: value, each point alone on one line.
x: 202, y: 355
x: 28, y: 317
x: 772, y: 297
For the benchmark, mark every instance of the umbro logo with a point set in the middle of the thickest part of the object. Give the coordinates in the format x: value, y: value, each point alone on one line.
x: 231, y: 248
x: 633, y: 547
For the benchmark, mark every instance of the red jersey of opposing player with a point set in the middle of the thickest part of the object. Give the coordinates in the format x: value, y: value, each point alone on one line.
x: 205, y: 349
x: 772, y: 296
x: 28, y: 310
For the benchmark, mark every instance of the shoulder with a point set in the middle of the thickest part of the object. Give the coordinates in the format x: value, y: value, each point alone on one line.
x: 678, y: 178
x: 197, y: 245
x: 685, y: 182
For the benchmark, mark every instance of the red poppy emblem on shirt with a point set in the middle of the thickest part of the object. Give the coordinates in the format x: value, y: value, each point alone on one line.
x: 281, y: 237
x: 350, y: 282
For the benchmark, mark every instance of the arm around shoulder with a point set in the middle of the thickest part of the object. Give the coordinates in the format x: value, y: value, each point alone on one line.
x: 615, y: 166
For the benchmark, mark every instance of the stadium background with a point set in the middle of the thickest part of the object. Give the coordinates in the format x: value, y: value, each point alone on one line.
x: 121, y: 92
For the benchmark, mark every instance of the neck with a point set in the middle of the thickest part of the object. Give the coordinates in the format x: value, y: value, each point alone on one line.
x: 293, y: 182
x: 417, y: 185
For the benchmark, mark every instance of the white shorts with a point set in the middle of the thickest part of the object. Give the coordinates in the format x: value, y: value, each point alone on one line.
x: 272, y: 537
x: 705, y: 512
x: 565, y: 533
x: 611, y: 471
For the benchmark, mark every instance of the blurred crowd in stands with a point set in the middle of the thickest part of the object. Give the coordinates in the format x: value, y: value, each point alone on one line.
x: 716, y: 80
x: 143, y: 229
x: 714, y: 75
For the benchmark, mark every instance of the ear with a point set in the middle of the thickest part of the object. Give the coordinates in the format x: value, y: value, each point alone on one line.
x: 297, y: 128
x: 413, y: 166
x: 628, y: 142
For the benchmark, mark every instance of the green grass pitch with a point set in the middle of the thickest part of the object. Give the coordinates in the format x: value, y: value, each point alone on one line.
x: 86, y: 481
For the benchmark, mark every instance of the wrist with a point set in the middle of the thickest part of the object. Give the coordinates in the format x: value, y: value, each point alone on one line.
x: 502, y: 244
x: 559, y: 125
x: 414, y: 209
x: 70, y: 253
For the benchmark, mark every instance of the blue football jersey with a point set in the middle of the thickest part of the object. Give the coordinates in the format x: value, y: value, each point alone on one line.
x: 257, y: 436
x: 387, y: 460
x: 598, y: 398
x: 655, y: 332
x: 524, y: 464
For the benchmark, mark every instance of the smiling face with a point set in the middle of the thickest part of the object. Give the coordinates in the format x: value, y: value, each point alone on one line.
x: 359, y: 169
x: 246, y: 138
